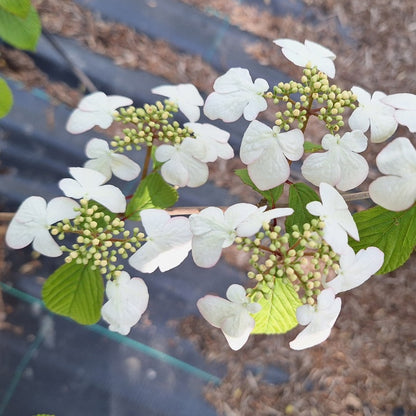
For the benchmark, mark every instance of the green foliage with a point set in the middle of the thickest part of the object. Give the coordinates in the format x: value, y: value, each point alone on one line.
x: 278, y: 313
x: 20, y: 32
x: 310, y: 147
x: 300, y: 195
x: 43, y: 414
x: 19, y: 8
x: 76, y: 291
x: 271, y: 195
x: 6, y: 100
x: 392, y: 232
x: 153, y: 192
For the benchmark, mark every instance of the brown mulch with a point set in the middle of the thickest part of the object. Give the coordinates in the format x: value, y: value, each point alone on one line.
x: 368, y: 365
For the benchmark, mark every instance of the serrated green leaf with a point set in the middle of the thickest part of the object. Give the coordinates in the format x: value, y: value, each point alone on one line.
x: 153, y: 192
x: 394, y: 233
x: 75, y: 291
x: 6, y: 98
x: 271, y: 195
x: 310, y: 147
x: 278, y: 314
x: 299, y: 196
x: 22, y: 33
x: 19, y: 8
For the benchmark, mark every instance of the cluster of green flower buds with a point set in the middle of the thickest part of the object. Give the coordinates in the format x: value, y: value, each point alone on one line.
x: 300, y: 258
x: 151, y: 122
x: 101, y: 239
x: 316, y: 96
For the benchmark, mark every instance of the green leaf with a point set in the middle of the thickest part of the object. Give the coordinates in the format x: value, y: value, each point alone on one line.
x: 75, y: 291
x: 6, y: 98
x: 310, y: 147
x: 278, y: 314
x: 22, y: 33
x: 300, y: 195
x: 20, y: 8
x: 394, y: 233
x: 153, y: 192
x: 271, y: 195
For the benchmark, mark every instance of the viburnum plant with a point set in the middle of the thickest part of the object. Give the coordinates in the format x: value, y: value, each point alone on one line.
x: 299, y: 264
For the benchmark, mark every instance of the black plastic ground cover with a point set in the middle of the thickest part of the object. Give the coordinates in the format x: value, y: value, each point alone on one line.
x: 188, y: 29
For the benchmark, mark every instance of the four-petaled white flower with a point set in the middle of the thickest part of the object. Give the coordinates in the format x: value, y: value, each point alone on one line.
x: 340, y: 165
x: 32, y: 220
x: 397, y: 190
x: 185, y: 96
x: 108, y: 162
x: 127, y: 300
x: 214, y: 229
x: 212, y: 142
x: 88, y: 184
x: 309, y: 53
x: 181, y: 167
x: 236, y: 95
x: 355, y: 269
x: 319, y: 320
x: 337, y: 219
x: 266, y: 151
x: 95, y: 109
x: 232, y: 316
x: 168, y: 242
x: 405, y: 109
x: 374, y: 114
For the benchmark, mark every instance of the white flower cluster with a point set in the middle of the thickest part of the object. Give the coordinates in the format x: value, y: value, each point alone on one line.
x: 268, y: 153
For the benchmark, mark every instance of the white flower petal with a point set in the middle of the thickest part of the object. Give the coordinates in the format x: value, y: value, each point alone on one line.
x: 207, y: 249
x: 233, y: 316
x: 309, y: 53
x: 110, y: 196
x: 116, y: 101
x: 45, y: 244
x: 29, y: 218
x: 214, y: 309
x: 169, y: 242
x: 79, y: 122
x: 61, y: 208
x: 236, y: 293
x: 227, y: 107
x: 393, y: 193
x: 124, y: 168
x: 321, y: 167
x: 406, y: 118
x: 356, y: 268
x: 186, y: 96
x: 95, y: 109
x: 323, y: 319
x: 96, y: 148
x: 354, y: 170
x: 397, y: 158
x: 236, y: 94
x: 71, y: 188
x: 127, y: 300
x: 359, y: 120
x: 403, y: 101
x: 252, y: 224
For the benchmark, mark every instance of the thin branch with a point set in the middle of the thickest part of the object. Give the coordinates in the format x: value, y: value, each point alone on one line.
x: 357, y: 196
x: 85, y: 80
